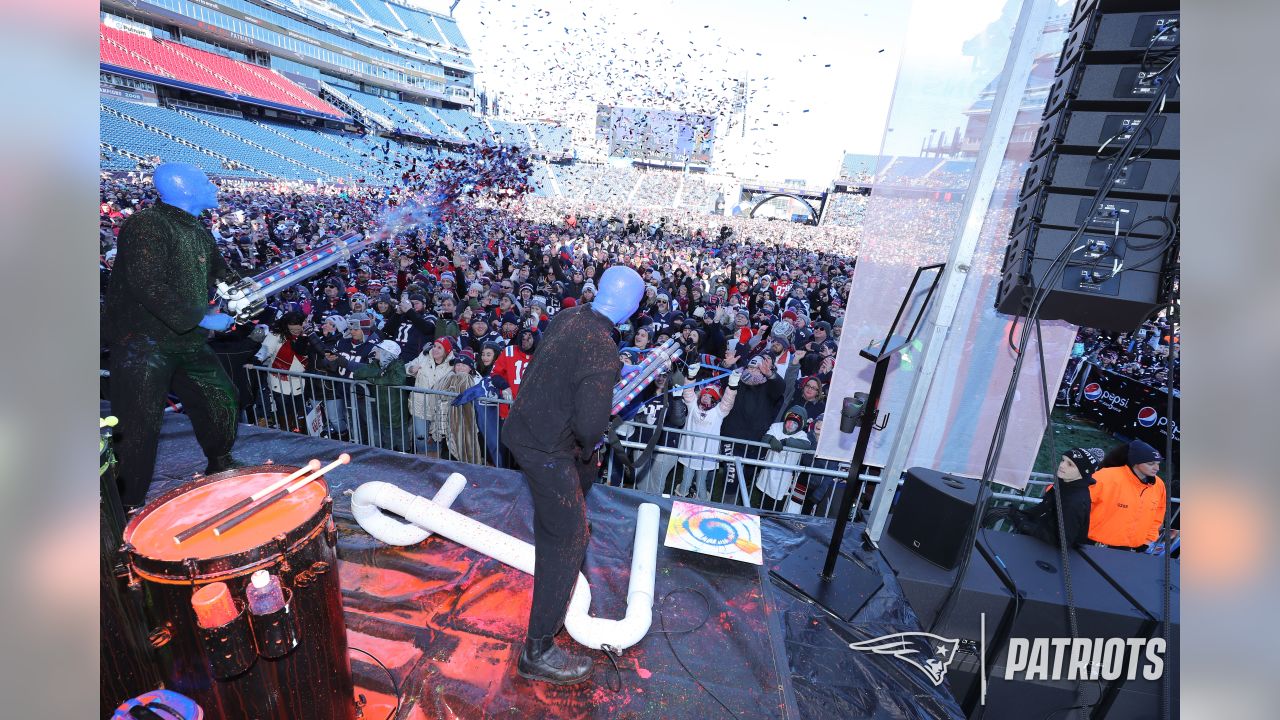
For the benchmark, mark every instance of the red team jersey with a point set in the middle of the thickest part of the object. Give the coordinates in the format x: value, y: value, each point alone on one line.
x: 511, y: 365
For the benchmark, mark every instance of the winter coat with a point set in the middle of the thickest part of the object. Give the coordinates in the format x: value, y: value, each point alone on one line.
x: 755, y: 408
x: 388, y: 398
x: 427, y: 375
x: 282, y: 384
x: 707, y: 422
x: 777, y: 483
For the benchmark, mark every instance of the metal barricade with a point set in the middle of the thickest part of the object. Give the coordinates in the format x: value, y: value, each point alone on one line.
x: 399, y: 418
x: 680, y: 463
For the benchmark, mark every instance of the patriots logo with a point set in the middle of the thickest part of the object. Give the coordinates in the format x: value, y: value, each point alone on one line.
x: 930, y: 653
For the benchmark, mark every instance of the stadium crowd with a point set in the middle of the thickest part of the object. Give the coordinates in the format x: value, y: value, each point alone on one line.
x: 467, y: 273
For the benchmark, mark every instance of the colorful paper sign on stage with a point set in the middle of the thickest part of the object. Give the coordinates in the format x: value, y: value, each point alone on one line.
x: 712, y: 531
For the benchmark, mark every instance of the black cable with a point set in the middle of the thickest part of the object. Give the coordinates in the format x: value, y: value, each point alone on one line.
x: 662, y: 622
x: 395, y: 686
x: 1062, y: 531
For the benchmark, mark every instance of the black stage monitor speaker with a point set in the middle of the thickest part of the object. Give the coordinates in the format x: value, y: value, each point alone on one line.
x: 925, y: 586
x: 932, y: 515
x: 1033, y: 570
x: 1140, y: 577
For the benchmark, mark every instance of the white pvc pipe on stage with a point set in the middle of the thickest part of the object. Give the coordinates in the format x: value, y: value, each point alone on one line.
x: 431, y: 517
x: 391, y: 531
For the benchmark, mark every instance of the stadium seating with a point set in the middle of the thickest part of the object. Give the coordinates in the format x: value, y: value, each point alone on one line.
x: 541, y: 181
x: 853, y: 166
x: 466, y: 123
x: 554, y: 142
x: 147, y: 143
x: 908, y: 170
x: 380, y: 13
x: 207, y: 70
x: 510, y: 133
x: 845, y: 209
x: 452, y: 33
x: 420, y: 24
x: 698, y: 194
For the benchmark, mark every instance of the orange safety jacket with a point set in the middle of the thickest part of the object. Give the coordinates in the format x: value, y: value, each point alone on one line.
x: 1125, y: 511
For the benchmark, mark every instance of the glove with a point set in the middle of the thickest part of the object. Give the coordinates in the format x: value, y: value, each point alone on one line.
x: 775, y: 444
x: 693, y: 371
x: 217, y: 322
x: 734, y: 377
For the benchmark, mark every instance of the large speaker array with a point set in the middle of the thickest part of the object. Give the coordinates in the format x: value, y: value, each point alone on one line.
x: 1094, y: 240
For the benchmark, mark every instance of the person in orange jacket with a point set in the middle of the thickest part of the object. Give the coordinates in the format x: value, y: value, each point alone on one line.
x: 1128, y: 502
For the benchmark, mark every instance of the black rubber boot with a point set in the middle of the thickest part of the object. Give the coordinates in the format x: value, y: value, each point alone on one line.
x: 221, y: 463
x: 544, y: 661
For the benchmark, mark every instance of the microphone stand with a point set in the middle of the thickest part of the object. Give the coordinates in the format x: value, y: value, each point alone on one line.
x: 838, y: 583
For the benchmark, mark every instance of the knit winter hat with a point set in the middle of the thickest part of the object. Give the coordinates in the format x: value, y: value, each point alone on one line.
x: 445, y: 342
x: 1087, y: 460
x: 1140, y: 452
x: 466, y: 357
x: 783, y: 330
x: 797, y: 413
x: 339, y: 323
x: 711, y: 390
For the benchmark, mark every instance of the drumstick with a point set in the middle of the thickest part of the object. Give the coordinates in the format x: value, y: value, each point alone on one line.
x: 343, y: 459
x: 213, y: 519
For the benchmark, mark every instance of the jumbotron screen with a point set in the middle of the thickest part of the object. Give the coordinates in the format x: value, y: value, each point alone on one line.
x: 670, y: 135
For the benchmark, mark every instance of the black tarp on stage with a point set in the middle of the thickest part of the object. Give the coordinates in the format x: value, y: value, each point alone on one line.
x: 448, y: 621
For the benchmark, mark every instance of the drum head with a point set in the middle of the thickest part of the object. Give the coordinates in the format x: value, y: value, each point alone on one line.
x: 270, y: 532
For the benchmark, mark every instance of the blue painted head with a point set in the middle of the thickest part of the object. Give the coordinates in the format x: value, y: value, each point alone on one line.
x: 619, y: 293
x: 186, y: 187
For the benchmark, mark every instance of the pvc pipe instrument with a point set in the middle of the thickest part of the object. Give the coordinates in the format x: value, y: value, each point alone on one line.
x: 226, y: 512
x: 343, y: 459
x: 426, y: 517
x: 248, y: 297
x: 630, y: 387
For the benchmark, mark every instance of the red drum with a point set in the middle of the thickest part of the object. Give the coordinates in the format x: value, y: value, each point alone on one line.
x: 243, y: 669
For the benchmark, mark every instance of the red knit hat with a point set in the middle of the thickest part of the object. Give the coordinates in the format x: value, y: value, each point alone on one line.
x: 711, y: 390
x: 447, y: 343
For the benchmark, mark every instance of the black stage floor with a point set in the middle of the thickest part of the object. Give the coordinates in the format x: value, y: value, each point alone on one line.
x: 448, y: 621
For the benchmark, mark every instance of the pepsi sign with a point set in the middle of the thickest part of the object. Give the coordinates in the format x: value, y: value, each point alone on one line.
x: 1092, y: 391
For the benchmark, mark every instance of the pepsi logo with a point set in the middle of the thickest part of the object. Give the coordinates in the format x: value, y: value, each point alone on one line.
x: 1148, y: 416
x: 1092, y: 391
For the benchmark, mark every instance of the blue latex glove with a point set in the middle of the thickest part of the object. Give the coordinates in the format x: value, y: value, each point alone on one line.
x: 217, y: 322
x: 471, y: 394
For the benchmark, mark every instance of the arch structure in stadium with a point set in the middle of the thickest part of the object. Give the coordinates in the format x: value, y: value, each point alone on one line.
x: 766, y: 197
